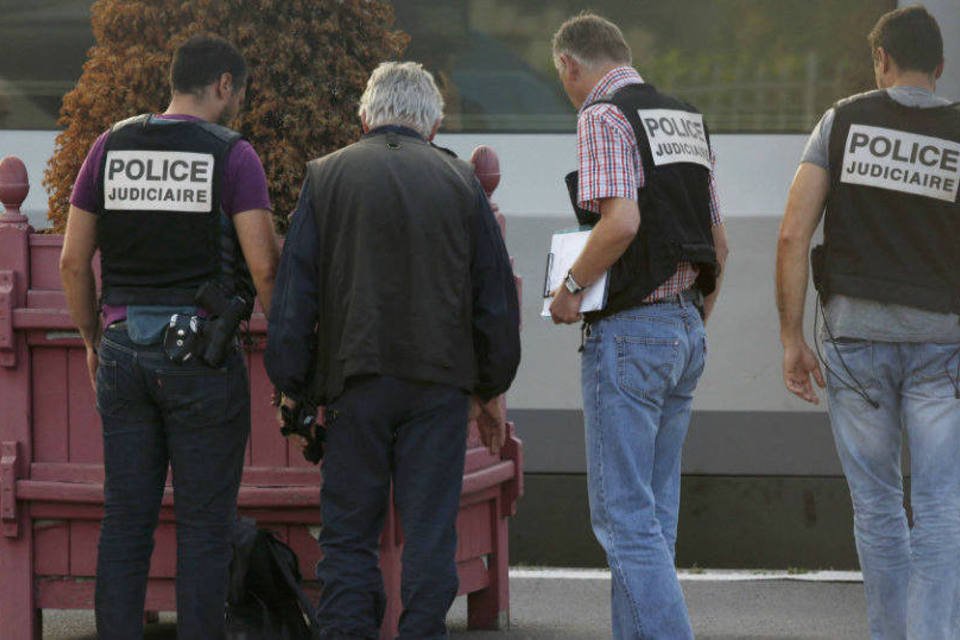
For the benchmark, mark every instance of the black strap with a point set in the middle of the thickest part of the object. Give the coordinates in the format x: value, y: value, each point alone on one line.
x: 308, y: 609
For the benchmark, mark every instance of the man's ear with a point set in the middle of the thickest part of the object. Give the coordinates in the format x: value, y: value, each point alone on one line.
x: 571, y: 66
x: 225, y: 85
x: 884, y: 60
x: 938, y: 71
x: 433, y: 132
x: 363, y: 123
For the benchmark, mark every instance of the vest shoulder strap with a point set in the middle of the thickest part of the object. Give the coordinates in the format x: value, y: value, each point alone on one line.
x: 623, y: 99
x: 224, y: 134
x: 630, y: 98
x: 140, y: 119
x: 627, y: 96
x: 883, y: 96
x: 866, y: 95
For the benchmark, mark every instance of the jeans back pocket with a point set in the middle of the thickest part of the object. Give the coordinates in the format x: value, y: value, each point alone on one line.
x: 646, y: 366
x: 108, y: 398
x: 851, y: 363
x: 935, y: 371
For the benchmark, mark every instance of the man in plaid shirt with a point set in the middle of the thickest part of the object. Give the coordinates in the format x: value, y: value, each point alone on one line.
x: 645, y: 182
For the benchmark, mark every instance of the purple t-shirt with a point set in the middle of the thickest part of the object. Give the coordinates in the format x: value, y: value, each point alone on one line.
x: 244, y: 187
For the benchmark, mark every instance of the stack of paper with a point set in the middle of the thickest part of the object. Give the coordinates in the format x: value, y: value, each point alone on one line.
x: 565, y: 248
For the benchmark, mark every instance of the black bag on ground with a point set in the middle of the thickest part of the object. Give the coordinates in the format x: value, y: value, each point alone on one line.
x: 265, y: 600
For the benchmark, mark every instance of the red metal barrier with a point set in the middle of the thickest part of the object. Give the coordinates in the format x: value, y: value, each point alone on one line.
x: 51, y: 467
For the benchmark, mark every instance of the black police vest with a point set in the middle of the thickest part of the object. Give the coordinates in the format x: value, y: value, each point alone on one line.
x: 892, y: 222
x: 674, y: 202
x: 161, y: 230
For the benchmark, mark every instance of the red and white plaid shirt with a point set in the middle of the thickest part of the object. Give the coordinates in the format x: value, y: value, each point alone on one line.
x: 610, y: 165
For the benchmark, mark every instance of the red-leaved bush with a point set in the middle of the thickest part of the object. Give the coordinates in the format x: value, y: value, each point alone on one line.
x: 308, y: 59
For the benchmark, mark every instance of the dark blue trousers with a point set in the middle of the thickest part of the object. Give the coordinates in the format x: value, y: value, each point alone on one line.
x: 195, y: 419
x: 384, y: 429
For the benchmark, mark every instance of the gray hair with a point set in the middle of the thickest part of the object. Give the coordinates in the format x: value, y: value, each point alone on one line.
x: 402, y: 93
x: 591, y: 41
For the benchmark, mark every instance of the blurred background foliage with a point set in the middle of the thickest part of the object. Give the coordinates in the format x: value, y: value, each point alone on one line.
x: 752, y: 66
x: 309, y: 61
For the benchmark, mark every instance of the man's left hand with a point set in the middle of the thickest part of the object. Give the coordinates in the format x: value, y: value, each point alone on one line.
x: 491, y: 420
x: 565, y: 308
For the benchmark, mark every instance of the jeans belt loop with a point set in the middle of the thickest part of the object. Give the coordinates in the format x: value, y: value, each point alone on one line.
x: 584, y: 334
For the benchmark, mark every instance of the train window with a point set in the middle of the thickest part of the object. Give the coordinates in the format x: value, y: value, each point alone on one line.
x: 750, y: 65
x: 43, y: 44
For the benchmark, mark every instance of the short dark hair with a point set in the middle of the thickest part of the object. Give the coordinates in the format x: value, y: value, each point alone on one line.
x: 592, y: 39
x: 912, y: 38
x: 201, y: 60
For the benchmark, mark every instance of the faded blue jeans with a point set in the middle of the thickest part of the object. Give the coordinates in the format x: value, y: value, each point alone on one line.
x: 195, y: 419
x: 639, y: 370
x: 910, y: 575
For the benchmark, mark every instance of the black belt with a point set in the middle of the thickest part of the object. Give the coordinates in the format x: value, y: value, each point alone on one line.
x: 694, y: 296
x: 689, y: 295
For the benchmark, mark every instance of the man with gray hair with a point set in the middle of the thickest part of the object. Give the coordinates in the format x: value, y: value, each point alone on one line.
x: 645, y: 183
x: 395, y: 307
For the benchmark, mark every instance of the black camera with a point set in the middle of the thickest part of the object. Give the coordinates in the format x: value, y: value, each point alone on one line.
x: 225, y: 313
x: 302, y: 421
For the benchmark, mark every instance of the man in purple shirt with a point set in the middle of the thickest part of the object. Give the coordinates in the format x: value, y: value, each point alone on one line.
x: 174, y: 203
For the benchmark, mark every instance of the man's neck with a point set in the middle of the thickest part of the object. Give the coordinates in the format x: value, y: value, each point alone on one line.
x: 187, y: 105
x: 593, y: 77
x: 915, y: 79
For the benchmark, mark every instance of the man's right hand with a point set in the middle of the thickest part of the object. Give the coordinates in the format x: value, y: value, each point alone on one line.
x: 491, y: 422
x: 298, y: 440
x: 93, y: 363
x: 799, y: 362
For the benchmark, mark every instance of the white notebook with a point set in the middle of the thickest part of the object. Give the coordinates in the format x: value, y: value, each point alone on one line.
x: 565, y: 248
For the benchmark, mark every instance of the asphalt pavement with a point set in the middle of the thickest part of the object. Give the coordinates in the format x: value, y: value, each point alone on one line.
x: 575, y: 606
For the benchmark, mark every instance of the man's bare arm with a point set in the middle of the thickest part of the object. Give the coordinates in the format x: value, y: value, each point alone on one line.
x: 79, y: 285
x: 618, y: 225
x: 76, y: 273
x: 260, y: 250
x: 723, y: 250
x: 805, y: 202
x: 804, y: 210
x: 612, y: 235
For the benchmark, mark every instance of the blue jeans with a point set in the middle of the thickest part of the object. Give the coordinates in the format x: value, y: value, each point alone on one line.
x: 384, y: 428
x: 196, y: 419
x: 910, y: 575
x: 639, y: 370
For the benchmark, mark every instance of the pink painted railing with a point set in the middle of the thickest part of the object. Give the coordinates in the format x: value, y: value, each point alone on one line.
x: 51, y: 465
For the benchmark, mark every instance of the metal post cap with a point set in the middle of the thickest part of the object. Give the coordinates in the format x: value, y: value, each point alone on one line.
x: 14, y: 187
x: 486, y: 165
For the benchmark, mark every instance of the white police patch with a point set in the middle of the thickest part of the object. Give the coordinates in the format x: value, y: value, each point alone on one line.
x: 158, y: 181
x: 901, y: 161
x: 676, y: 136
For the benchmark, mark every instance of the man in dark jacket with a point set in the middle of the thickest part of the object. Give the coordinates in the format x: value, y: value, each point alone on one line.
x: 396, y: 308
